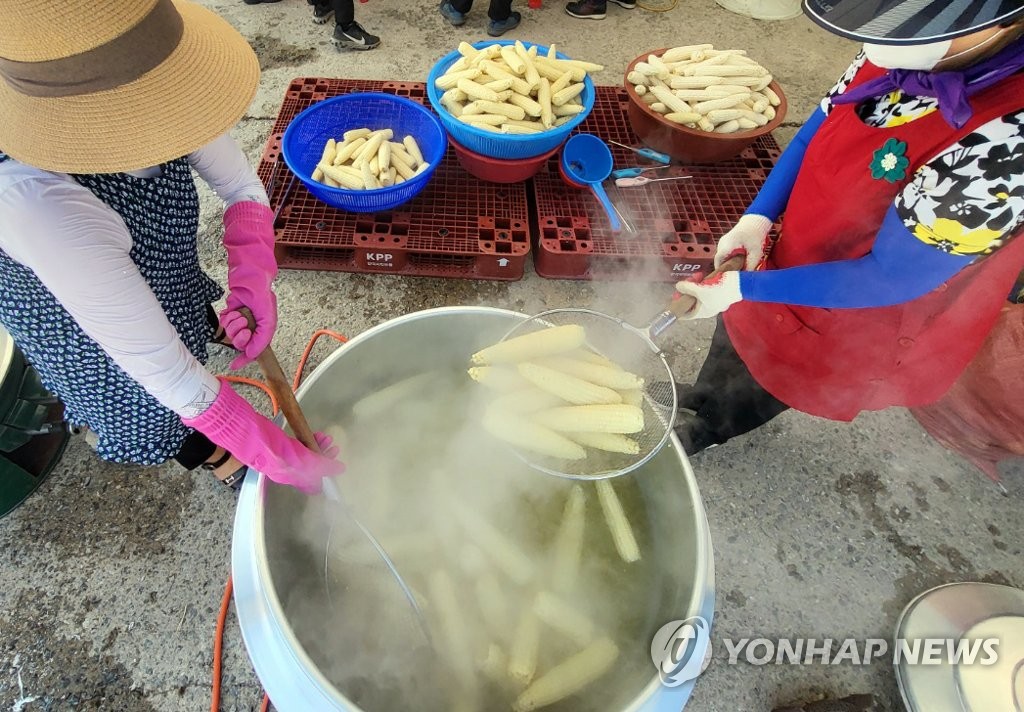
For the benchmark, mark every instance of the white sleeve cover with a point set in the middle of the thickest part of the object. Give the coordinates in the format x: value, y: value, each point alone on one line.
x: 79, y: 249
x: 223, y: 166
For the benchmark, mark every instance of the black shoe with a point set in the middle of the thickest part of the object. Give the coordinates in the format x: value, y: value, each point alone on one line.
x: 354, y: 37
x: 322, y: 13
x: 587, y: 9
x: 625, y: 4
x: 694, y: 433
x: 454, y: 17
x: 500, y: 27
x: 257, y: 2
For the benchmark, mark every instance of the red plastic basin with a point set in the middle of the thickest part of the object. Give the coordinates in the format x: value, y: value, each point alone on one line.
x: 499, y: 170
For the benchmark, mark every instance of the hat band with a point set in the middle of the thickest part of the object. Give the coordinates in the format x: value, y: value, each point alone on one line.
x: 115, y: 63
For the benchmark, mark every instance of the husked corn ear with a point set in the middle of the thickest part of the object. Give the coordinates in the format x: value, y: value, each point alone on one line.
x: 493, y: 605
x: 518, y: 430
x: 494, y: 665
x: 568, y: 546
x: 522, y: 656
x: 591, y: 357
x: 499, y: 378
x: 382, y: 401
x: 575, y: 390
x: 618, y: 524
x: 527, y: 401
x: 558, y: 614
x: 609, y: 442
x: 632, y: 397
x: 568, y: 677
x: 506, y: 556
x: 545, y: 342
x: 601, y: 418
x: 452, y: 624
x: 595, y: 373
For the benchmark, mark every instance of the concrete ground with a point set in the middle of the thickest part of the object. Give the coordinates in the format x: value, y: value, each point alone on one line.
x: 112, y: 575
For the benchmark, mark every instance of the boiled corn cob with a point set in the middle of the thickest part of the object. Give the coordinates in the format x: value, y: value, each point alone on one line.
x: 518, y: 430
x: 618, y: 524
x: 503, y: 553
x: 615, y: 418
x: 527, y: 401
x: 575, y: 390
x: 382, y: 401
x: 565, y: 617
x: 498, y: 378
x: 569, y: 677
x: 452, y: 626
x: 609, y: 442
x: 568, y: 546
x: 545, y: 342
x: 597, y: 374
x: 522, y: 656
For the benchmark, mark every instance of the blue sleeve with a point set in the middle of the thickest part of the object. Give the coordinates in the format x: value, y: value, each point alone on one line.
x: 899, y: 268
x: 774, y: 194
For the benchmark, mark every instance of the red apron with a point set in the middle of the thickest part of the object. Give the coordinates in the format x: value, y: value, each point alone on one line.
x: 835, y: 363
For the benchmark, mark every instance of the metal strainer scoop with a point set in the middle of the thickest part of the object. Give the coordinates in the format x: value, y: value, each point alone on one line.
x: 348, y: 539
x: 632, y: 348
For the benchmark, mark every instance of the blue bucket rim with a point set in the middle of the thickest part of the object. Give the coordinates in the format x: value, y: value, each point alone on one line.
x: 451, y: 57
x: 391, y: 189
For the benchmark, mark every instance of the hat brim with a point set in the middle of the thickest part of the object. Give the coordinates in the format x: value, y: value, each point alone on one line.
x: 910, y: 22
x: 194, y: 96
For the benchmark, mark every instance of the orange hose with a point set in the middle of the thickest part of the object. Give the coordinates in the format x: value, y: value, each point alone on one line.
x: 309, y: 348
x: 218, y: 638
x: 218, y: 644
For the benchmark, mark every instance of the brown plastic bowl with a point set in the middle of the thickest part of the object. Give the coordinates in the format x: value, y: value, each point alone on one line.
x: 686, y: 144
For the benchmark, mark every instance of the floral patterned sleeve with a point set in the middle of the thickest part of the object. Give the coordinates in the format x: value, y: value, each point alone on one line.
x: 969, y: 199
x: 844, y: 81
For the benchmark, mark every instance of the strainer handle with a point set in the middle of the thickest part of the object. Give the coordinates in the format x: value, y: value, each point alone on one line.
x: 278, y: 384
x: 679, y: 308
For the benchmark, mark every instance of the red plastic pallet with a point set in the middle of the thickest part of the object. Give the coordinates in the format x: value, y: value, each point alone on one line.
x: 457, y: 227
x: 676, y: 223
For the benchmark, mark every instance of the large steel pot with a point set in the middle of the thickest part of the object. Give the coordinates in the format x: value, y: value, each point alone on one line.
x: 269, y: 569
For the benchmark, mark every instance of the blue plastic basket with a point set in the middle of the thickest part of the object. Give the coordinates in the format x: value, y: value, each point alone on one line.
x: 494, y: 145
x: 304, y: 140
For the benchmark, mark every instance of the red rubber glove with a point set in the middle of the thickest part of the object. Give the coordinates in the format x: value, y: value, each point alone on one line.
x: 249, y: 241
x: 231, y: 423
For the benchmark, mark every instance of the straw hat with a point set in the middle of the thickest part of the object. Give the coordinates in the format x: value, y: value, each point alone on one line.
x: 103, y: 86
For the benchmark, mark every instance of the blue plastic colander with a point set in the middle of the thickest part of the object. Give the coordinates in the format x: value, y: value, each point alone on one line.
x: 495, y: 145
x: 304, y: 140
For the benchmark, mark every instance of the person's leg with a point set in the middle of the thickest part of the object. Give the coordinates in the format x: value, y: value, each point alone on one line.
x: 455, y: 11
x: 725, y: 398
x: 502, y: 17
x: 347, y: 32
x: 198, y: 451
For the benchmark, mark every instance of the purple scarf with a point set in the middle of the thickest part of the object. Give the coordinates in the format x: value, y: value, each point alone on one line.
x: 952, y: 89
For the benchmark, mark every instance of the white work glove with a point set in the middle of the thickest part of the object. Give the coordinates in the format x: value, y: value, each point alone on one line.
x: 714, y: 295
x: 749, y: 237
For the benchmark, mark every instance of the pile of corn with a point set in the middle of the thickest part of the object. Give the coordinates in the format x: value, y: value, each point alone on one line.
x: 556, y: 397
x: 365, y: 159
x: 511, y: 89
x: 720, y: 91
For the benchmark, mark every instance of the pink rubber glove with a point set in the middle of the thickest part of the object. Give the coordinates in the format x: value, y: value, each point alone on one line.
x: 231, y: 423
x: 249, y: 241
x: 749, y: 237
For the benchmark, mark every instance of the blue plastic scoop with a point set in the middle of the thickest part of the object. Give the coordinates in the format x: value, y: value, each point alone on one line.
x: 587, y: 161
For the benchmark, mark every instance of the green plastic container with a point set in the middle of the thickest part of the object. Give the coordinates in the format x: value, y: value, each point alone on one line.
x: 30, y: 445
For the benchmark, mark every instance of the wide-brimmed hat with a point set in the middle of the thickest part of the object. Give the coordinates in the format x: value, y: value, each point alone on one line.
x: 910, y: 22
x: 114, y: 85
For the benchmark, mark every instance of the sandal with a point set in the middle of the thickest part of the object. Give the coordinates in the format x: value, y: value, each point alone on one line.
x: 234, y: 479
